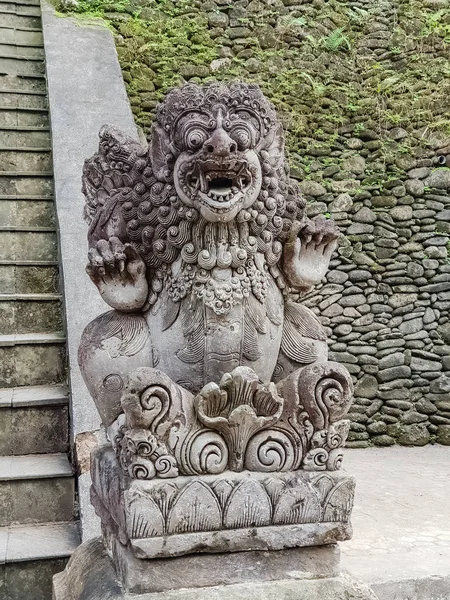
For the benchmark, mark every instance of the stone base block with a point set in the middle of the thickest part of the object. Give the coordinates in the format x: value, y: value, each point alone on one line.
x: 207, y: 570
x: 299, y: 574
x: 228, y: 512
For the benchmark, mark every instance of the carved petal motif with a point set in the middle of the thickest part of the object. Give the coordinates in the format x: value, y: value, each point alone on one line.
x: 144, y: 517
x: 195, y: 509
x: 339, y: 502
x: 248, y: 506
x: 297, y: 505
x: 237, y: 408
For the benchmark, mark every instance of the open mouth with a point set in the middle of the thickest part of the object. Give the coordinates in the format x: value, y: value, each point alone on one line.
x: 220, y: 186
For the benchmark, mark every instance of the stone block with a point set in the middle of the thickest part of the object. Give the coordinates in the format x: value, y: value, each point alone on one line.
x: 90, y: 575
x: 161, y: 575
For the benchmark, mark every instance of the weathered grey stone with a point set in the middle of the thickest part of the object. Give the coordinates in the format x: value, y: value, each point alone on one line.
x: 73, y: 80
x: 392, y: 360
x: 378, y: 427
x: 365, y: 215
x: 443, y: 436
x: 415, y: 187
x: 342, y: 203
x: 223, y: 569
x: 440, y: 385
x: 312, y: 188
x: 419, y: 363
x: 414, y: 435
x: 414, y: 325
x: 383, y: 440
x: 355, y: 164
x: 402, y: 213
x: 394, y: 373
x: 440, y: 178
x: 366, y: 387
x: 419, y: 173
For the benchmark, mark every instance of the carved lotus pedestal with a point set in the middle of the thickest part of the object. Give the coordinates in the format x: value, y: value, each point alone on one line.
x: 233, y: 536
x: 210, y: 504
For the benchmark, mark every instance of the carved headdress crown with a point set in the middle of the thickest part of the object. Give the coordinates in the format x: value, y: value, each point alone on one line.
x: 207, y: 97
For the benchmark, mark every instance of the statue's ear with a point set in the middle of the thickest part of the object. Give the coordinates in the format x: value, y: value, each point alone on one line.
x: 160, y: 153
x: 275, y: 148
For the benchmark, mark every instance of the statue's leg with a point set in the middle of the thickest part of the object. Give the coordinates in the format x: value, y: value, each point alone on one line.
x: 304, y: 341
x: 111, y: 346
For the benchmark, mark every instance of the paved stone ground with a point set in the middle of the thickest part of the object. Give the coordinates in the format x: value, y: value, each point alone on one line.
x: 401, y: 521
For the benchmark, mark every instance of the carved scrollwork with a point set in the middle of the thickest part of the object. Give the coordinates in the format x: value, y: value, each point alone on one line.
x: 238, y: 407
x: 143, y: 456
x: 208, y: 453
x: 326, y: 392
x: 270, y: 450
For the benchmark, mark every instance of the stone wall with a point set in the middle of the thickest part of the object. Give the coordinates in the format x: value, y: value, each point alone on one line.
x: 362, y: 87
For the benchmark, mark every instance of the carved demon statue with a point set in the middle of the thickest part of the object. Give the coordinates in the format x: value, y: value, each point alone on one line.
x: 200, y: 245
x: 210, y: 376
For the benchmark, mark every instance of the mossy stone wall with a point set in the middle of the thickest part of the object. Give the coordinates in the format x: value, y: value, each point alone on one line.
x: 363, y: 88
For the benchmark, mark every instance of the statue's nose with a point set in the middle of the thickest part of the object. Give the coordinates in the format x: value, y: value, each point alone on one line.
x: 220, y: 143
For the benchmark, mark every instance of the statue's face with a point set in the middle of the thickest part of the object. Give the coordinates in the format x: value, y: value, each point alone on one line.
x: 217, y: 170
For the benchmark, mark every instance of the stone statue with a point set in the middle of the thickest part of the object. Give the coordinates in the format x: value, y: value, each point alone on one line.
x: 226, y: 419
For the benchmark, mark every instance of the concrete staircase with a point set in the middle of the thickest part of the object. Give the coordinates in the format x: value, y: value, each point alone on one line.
x: 37, y: 487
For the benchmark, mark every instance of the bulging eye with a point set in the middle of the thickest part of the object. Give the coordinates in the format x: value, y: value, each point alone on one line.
x: 195, y: 138
x: 242, y: 137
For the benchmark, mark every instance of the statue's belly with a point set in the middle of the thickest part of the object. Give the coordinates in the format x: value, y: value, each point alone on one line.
x: 200, y: 345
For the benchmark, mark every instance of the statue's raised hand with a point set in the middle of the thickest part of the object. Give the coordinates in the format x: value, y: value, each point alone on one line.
x: 308, y: 251
x: 119, y: 274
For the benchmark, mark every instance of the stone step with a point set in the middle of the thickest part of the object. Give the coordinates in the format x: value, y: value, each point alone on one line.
x: 11, y: 35
x: 27, y: 228
x: 28, y: 10
x: 25, y: 159
x: 34, y: 420
x: 36, y: 488
x: 35, y: 278
x: 30, y: 51
x: 17, y: 99
x: 32, y: 396
x: 28, y: 245
x: 30, y: 313
x: 24, y: 137
x: 21, y: 2
x: 32, y: 359
x: 27, y: 214
x: 23, y: 117
x: 22, y: 83
x: 22, y: 66
x: 25, y: 197
x: 11, y: 19
x: 21, y: 183
x: 32, y: 555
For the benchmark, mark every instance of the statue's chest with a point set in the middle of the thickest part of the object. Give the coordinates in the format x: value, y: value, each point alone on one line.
x: 195, y: 344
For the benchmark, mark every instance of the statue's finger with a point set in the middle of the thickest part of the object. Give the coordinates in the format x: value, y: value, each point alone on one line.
x: 104, y: 249
x: 318, y: 237
x: 116, y: 244
x: 118, y: 250
x: 96, y: 260
x: 329, y: 248
x: 296, y: 226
